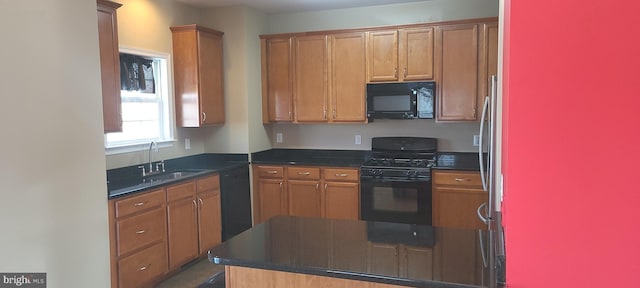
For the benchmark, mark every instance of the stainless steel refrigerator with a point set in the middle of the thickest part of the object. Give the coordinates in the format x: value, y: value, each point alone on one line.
x: 494, y: 250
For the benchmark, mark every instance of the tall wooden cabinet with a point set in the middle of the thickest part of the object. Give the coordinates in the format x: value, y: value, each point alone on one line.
x: 348, y: 77
x: 198, y: 76
x: 310, y: 86
x: 277, y: 79
x: 182, y: 227
x: 209, y: 213
x: 109, y: 65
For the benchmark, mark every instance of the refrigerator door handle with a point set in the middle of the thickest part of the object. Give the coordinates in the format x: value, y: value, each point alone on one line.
x: 482, y: 217
x: 480, y: 146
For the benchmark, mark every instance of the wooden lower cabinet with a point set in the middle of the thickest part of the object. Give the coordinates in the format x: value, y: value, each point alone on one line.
x: 456, y: 198
x: 304, y: 198
x: 459, y: 258
x: 400, y: 260
x: 153, y: 233
x: 328, y: 192
x: 242, y: 277
x: 140, y: 269
x: 182, y: 231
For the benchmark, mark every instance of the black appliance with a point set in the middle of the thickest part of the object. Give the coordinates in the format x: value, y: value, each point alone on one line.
x: 236, y: 201
x: 405, y: 100
x: 396, y: 182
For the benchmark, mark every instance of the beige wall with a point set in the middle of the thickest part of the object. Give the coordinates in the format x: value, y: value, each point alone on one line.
x: 144, y: 24
x: 53, y: 204
x: 452, y: 137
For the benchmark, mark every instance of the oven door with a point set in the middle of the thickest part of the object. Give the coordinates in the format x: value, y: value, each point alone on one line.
x: 395, y: 200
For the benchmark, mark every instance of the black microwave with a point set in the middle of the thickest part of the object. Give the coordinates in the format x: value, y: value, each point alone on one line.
x: 403, y: 100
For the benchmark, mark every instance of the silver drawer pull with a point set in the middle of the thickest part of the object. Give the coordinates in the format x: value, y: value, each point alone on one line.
x: 139, y: 204
x: 272, y: 172
x: 144, y: 267
x: 462, y: 179
x: 141, y: 231
x: 342, y: 175
x: 304, y: 173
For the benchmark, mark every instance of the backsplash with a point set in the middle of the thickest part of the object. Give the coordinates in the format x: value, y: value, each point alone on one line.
x: 452, y: 137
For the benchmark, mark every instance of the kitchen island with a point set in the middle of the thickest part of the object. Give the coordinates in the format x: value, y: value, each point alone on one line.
x: 290, y: 251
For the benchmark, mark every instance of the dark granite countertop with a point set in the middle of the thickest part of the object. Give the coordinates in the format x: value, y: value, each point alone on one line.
x: 399, y: 254
x: 128, y: 180
x: 311, y: 157
x: 354, y: 158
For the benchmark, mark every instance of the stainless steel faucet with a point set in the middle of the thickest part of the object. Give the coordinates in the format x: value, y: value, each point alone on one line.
x: 153, y: 143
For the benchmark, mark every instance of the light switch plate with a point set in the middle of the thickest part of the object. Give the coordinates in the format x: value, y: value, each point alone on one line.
x: 278, y: 137
x: 187, y: 143
x: 476, y: 140
x: 358, y: 140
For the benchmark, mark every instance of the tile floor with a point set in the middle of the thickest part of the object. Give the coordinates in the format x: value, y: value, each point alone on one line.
x: 193, y: 276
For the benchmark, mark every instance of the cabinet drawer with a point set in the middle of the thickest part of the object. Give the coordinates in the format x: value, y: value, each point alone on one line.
x: 139, y: 269
x: 270, y: 171
x: 139, y: 203
x: 208, y: 183
x: 135, y: 232
x: 341, y: 174
x: 457, y: 178
x: 303, y: 173
x: 181, y: 191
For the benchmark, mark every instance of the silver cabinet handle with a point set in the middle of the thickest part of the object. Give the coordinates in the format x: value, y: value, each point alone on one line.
x: 272, y: 172
x: 462, y: 179
x: 341, y: 175
x: 144, y: 267
x: 201, y: 202
x: 141, y: 232
x: 204, y: 116
x: 304, y: 173
x: 324, y: 114
x: 395, y: 75
x: 317, y: 186
x: 325, y: 186
x: 289, y: 115
x: 280, y: 186
x: 405, y: 72
x: 139, y: 204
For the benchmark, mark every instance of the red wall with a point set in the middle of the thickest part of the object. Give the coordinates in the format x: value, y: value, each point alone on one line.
x: 572, y: 151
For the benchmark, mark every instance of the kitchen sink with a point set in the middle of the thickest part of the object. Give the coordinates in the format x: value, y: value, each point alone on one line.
x: 171, y: 175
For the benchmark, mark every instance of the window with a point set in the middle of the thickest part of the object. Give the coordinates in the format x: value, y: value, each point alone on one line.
x: 146, y: 105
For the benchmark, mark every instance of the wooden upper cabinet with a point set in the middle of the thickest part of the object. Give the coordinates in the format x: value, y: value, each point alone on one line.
x: 382, y: 55
x: 401, y: 55
x: 198, y: 76
x: 348, y: 77
x: 489, y: 57
x: 416, y: 54
x: 457, y: 72
x: 109, y: 65
x: 277, y: 84
x: 310, y: 78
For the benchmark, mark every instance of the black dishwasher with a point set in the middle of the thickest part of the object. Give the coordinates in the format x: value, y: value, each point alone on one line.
x: 235, y: 200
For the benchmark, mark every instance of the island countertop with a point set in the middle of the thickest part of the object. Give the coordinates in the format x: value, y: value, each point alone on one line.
x: 391, y: 253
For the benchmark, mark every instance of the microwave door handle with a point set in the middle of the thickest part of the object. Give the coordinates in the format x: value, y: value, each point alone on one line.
x: 480, y: 146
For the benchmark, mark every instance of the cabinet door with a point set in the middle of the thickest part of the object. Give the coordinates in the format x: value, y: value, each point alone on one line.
x: 311, y: 88
x: 348, y: 77
x: 210, y: 78
x: 456, y: 207
x: 417, y: 263
x: 209, y: 220
x: 416, y: 54
x: 271, y: 199
x: 383, y: 259
x: 342, y: 200
x: 458, y: 257
x: 304, y: 198
x: 109, y: 65
x: 277, y: 79
x: 457, y: 72
x: 489, y: 60
x: 348, y: 253
x: 182, y: 231
x: 382, y: 56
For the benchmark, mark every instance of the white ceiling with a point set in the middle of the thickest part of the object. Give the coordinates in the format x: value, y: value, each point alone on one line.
x: 280, y: 6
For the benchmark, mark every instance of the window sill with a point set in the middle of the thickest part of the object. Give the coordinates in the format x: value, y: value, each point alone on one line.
x: 137, y: 147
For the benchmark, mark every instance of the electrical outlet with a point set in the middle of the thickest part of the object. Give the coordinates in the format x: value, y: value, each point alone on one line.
x: 358, y: 140
x: 187, y: 143
x: 476, y: 140
x: 278, y: 137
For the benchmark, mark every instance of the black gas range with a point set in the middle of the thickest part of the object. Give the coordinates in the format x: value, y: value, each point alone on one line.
x: 396, y: 182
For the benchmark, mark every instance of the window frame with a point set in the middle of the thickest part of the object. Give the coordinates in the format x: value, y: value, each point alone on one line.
x: 166, y: 77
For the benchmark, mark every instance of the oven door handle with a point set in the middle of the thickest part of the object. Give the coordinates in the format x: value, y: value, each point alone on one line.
x: 387, y: 180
